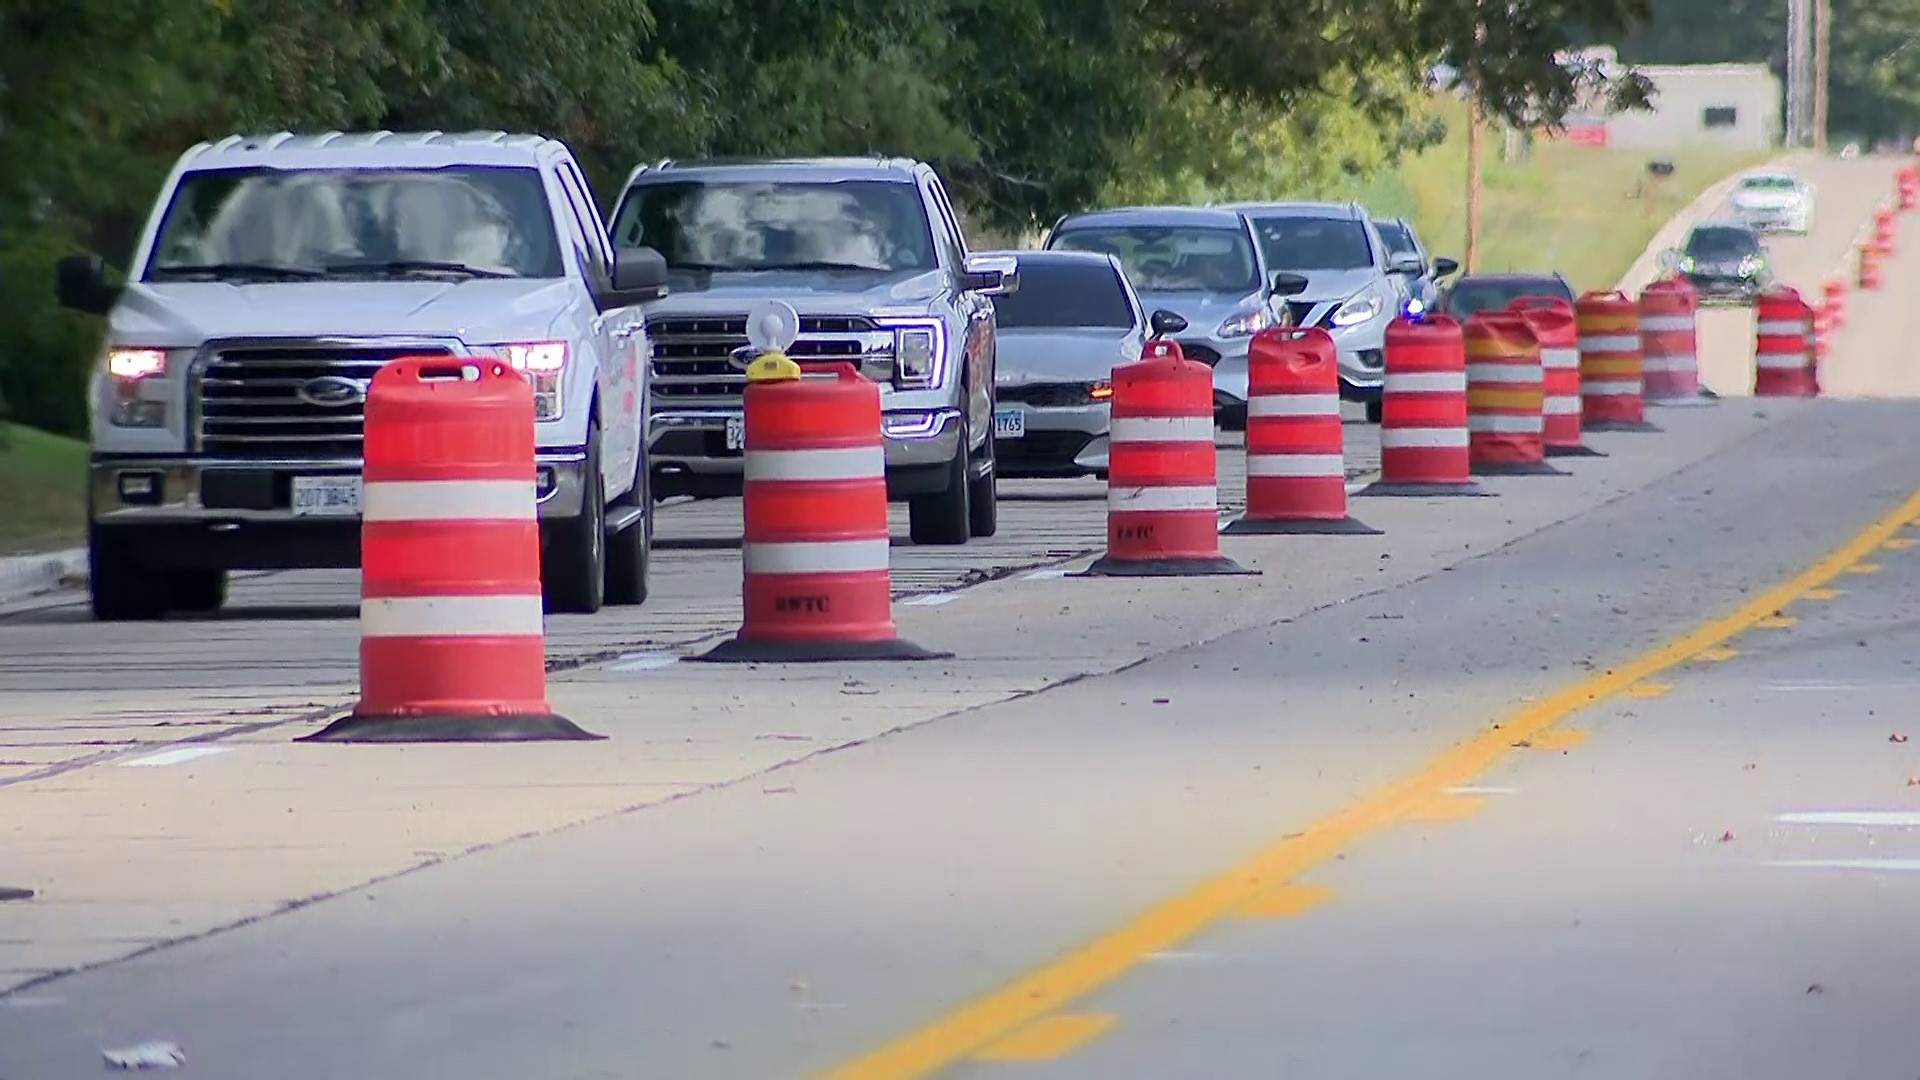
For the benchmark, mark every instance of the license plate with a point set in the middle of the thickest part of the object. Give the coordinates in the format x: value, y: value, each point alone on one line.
x: 1009, y: 423
x: 326, y: 496
x: 736, y: 433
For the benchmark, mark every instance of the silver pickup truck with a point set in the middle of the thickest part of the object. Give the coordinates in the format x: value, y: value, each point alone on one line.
x: 870, y: 253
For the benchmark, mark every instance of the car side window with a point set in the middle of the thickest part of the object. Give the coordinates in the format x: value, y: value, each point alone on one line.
x: 588, y: 238
x: 947, y: 222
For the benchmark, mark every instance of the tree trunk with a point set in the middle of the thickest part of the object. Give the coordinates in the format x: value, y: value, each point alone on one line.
x: 1472, y: 259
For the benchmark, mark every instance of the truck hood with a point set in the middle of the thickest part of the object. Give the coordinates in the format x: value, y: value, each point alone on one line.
x: 1203, y: 311
x: 483, y: 311
x: 1768, y: 200
x: 1060, y: 355
x: 806, y: 290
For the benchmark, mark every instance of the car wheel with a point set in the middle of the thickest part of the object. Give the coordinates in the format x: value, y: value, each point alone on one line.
x: 630, y: 551
x: 983, y: 501
x: 945, y: 517
x: 120, y: 587
x: 573, y: 566
x: 203, y: 591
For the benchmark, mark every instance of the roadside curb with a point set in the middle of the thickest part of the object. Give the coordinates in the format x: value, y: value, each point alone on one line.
x: 1647, y: 266
x: 22, y: 576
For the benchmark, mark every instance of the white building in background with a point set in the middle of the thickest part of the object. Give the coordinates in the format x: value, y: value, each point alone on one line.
x: 1738, y: 105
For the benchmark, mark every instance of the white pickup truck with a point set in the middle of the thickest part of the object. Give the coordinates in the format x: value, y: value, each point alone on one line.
x: 274, y: 277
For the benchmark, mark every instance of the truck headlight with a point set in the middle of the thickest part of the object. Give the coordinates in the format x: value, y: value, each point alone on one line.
x: 543, y: 363
x: 137, y: 382
x: 1358, y: 309
x: 919, y: 354
x: 1245, y: 324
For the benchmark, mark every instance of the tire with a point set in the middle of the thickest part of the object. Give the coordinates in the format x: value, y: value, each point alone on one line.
x: 983, y: 498
x: 201, y: 591
x: 628, y: 553
x: 119, y: 587
x: 1375, y: 410
x: 573, y: 567
x: 945, y: 517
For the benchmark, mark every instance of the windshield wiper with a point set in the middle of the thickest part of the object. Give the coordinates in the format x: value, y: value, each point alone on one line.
x: 824, y: 264
x: 235, y: 269
x: 707, y: 268
x: 416, y: 266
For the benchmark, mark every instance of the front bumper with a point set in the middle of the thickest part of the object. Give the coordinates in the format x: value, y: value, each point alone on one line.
x: 1065, y: 440
x: 1773, y: 221
x: 1362, y: 362
x: 237, y: 514
x: 689, y: 455
x: 1726, y: 290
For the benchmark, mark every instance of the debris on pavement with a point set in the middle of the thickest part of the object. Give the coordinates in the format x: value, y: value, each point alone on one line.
x: 151, y: 1055
x: 1816, y: 988
x: 1727, y: 837
x: 1896, y: 737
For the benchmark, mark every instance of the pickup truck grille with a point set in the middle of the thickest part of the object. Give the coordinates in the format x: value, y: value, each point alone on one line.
x: 251, y: 403
x: 1047, y: 395
x: 693, y: 355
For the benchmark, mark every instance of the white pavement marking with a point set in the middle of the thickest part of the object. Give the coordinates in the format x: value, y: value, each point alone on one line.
x: 1896, y: 865
x: 644, y: 662
x: 1902, y: 819
x: 932, y: 600
x: 1048, y: 574
x: 173, y: 757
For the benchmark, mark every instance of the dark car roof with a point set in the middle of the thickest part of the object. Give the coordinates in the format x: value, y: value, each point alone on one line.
x: 1163, y: 216
x: 1509, y: 279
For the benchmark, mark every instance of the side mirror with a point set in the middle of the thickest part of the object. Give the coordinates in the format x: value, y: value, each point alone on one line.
x: 991, y: 275
x: 80, y: 284
x: 639, y: 277
x: 1408, y: 265
x: 1286, y: 284
x: 1165, y: 323
x: 1668, y: 259
x: 1445, y: 268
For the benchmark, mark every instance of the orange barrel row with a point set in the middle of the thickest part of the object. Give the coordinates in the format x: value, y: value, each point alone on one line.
x: 1552, y: 321
x: 1836, y: 301
x: 1908, y: 180
x: 1783, y: 345
x: 1869, y: 266
x: 1610, y: 373
x: 1296, y: 462
x: 1669, y: 341
x: 1506, y: 395
x: 1885, y: 230
x: 1424, y: 447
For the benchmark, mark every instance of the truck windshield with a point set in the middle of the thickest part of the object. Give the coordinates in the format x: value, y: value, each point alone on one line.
x: 1314, y: 243
x: 1165, y: 258
x: 1063, y: 295
x: 257, y: 223
x: 878, y: 226
x: 1710, y: 244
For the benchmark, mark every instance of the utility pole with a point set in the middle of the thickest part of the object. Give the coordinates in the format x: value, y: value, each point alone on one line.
x: 1472, y: 73
x: 1822, y: 19
x: 1799, y: 73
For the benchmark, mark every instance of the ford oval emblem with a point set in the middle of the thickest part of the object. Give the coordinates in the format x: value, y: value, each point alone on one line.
x: 331, y: 392
x: 743, y: 357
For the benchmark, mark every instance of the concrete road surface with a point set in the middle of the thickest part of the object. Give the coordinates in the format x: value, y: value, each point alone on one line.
x: 1606, y: 775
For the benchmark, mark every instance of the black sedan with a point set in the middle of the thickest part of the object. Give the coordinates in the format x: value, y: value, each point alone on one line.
x: 1724, y: 263
x: 1493, y: 292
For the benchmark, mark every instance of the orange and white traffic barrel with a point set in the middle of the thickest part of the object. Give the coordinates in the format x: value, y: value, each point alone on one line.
x: 1908, y: 180
x: 1423, y: 411
x: 1163, y: 501
x: 1783, y: 350
x: 1670, y: 343
x: 1552, y: 321
x: 1610, y: 375
x: 1869, y: 262
x: 1885, y: 228
x: 816, y: 582
x: 1506, y: 397
x: 1296, y: 457
x: 1836, y: 301
x: 1822, y: 335
x: 452, y: 635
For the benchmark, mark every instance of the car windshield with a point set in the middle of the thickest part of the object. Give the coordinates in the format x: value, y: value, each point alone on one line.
x: 1164, y: 258
x: 877, y: 226
x: 1474, y: 295
x: 1769, y: 183
x: 1721, y: 244
x: 1397, y: 238
x: 1064, y: 295
x: 1314, y: 243
x: 260, y: 223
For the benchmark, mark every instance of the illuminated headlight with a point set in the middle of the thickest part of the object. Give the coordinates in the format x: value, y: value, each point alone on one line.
x: 1687, y: 265
x: 1245, y: 324
x: 1749, y: 266
x: 1359, y: 309
x: 543, y: 363
x: 137, y: 379
x: 919, y: 355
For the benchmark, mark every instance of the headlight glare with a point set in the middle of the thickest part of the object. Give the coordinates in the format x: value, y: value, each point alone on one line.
x: 1245, y: 324
x: 543, y: 363
x: 1359, y: 309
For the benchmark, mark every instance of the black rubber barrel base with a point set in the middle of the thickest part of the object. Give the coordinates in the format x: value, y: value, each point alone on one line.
x: 1682, y: 403
x: 1249, y: 526
x: 13, y: 892
x: 1108, y: 566
x: 1516, y: 468
x: 1573, y: 451
x: 760, y: 651
x: 531, y: 727
x: 1468, y: 490
x: 1636, y: 426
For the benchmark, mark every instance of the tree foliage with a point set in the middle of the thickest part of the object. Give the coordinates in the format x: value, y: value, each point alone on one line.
x: 1030, y: 107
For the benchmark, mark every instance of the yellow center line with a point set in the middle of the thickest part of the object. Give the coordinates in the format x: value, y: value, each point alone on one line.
x: 1167, y: 924
x: 1049, y: 1037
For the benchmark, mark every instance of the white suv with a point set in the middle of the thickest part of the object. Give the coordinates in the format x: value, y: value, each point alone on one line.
x: 275, y: 275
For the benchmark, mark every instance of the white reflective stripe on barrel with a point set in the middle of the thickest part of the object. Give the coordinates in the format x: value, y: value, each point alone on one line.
x: 1783, y: 327
x: 1161, y: 429
x: 1422, y: 438
x: 815, y: 556
x: 448, y: 500
x: 1296, y: 465
x: 1511, y: 374
x: 839, y: 463
x: 1560, y: 358
x: 1426, y: 382
x: 1781, y: 361
x: 1657, y: 324
x: 1610, y: 388
x: 1502, y: 424
x: 1610, y: 343
x: 1683, y: 362
x: 1293, y: 405
x: 1137, y: 499
x: 1561, y: 406
x: 451, y: 616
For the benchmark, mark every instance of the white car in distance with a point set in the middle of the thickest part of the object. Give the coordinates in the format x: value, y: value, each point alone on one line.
x: 1773, y: 200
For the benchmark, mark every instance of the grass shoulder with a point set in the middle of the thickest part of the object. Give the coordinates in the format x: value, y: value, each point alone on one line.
x: 43, y: 494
